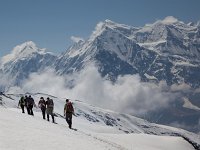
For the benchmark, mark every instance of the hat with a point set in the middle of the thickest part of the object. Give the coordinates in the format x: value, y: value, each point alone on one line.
x: 41, y: 98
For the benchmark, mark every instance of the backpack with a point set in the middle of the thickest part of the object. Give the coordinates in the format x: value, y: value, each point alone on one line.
x: 42, y: 104
x: 50, y: 103
x: 30, y: 101
x: 69, y: 107
x: 22, y: 101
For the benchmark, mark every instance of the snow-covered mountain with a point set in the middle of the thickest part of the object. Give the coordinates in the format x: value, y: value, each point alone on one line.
x: 97, y: 127
x: 177, y: 46
x: 22, y: 61
x: 165, y: 50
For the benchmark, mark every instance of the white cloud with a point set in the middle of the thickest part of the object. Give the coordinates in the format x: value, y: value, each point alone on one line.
x: 180, y: 87
x: 76, y: 39
x: 169, y: 20
x: 127, y: 95
x: 98, y: 30
x: 46, y: 82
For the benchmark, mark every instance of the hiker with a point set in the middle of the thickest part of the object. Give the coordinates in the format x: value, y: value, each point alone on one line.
x: 22, y: 103
x: 68, y: 111
x: 42, y: 106
x: 30, y: 104
x: 49, y: 109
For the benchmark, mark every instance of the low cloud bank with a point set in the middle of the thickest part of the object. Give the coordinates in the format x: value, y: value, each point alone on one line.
x: 127, y: 95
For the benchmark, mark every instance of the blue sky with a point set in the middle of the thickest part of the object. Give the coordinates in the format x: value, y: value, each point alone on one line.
x: 51, y: 23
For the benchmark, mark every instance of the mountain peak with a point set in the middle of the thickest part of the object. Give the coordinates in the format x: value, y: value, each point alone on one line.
x: 21, y: 51
x: 30, y: 43
x: 101, y: 26
x: 109, y: 21
x: 160, y: 25
x: 26, y: 47
x: 166, y: 21
x: 112, y: 24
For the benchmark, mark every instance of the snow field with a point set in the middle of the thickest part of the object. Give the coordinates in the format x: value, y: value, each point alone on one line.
x: 23, y: 132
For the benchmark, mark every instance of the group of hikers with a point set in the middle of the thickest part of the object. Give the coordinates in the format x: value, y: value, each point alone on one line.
x: 47, y: 107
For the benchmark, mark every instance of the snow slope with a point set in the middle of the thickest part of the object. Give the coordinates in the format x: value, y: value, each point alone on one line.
x: 96, y: 129
x: 20, y: 131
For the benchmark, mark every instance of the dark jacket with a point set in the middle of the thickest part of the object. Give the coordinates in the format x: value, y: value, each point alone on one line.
x: 42, y: 104
x: 50, y: 105
x: 30, y: 101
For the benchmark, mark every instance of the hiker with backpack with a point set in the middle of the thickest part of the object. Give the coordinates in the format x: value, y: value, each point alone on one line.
x: 30, y: 104
x: 49, y: 109
x: 22, y: 103
x: 42, y: 106
x: 68, y: 112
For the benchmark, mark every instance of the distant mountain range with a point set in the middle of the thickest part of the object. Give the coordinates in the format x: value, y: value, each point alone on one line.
x: 167, y: 50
